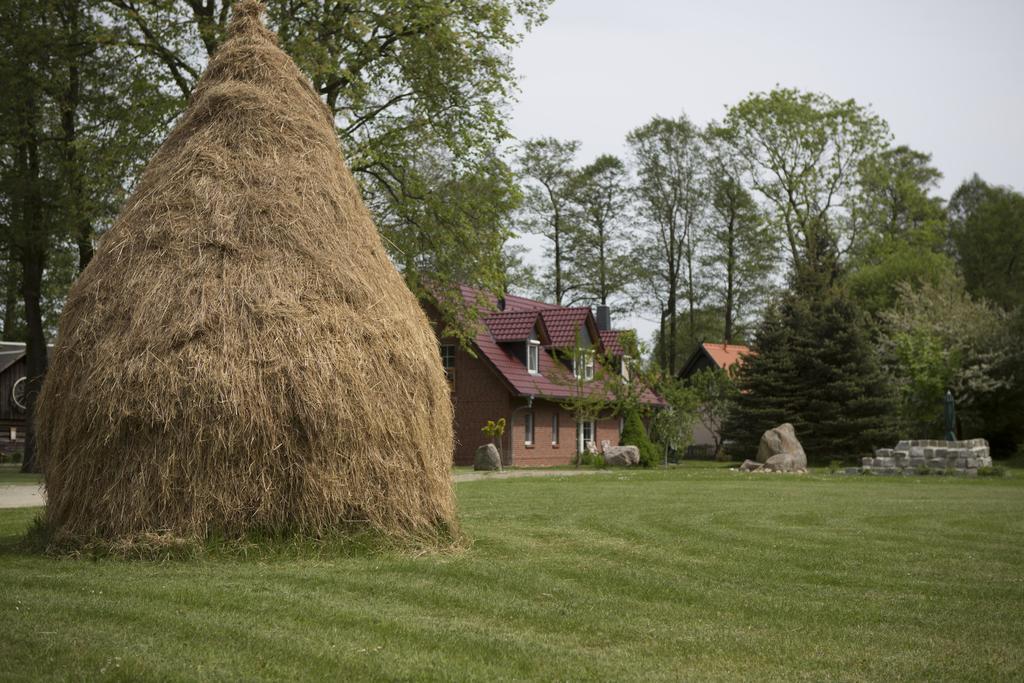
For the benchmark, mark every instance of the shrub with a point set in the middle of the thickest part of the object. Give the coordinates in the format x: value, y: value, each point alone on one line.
x: 993, y: 471
x: 634, y: 434
x: 834, y: 466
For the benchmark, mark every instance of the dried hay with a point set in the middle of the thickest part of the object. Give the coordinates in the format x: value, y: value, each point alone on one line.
x: 241, y: 356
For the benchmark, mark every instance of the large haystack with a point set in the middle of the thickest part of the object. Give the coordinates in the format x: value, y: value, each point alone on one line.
x: 240, y: 355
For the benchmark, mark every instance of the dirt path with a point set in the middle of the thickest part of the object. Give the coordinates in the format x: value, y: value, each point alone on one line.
x: 32, y: 495
x: 21, y: 495
x: 515, y: 474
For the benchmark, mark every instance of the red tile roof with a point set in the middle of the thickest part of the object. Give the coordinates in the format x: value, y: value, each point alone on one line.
x: 726, y: 355
x: 511, y: 326
x: 564, y: 324
x: 610, y: 341
x: 554, y: 379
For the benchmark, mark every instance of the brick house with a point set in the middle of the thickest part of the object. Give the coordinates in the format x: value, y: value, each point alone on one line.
x: 521, y: 364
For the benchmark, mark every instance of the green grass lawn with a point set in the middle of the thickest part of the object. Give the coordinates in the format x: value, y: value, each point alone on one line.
x: 695, y: 573
x: 10, y: 473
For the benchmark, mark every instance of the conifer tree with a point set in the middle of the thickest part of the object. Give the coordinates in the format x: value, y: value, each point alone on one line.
x: 816, y: 368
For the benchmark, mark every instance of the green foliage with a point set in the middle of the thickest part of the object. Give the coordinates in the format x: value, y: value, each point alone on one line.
x: 987, y: 230
x: 993, y: 471
x: 741, y: 250
x: 599, y: 245
x: 802, y: 153
x: 672, y: 426
x: 547, y: 168
x: 815, y: 367
x: 635, y: 434
x: 670, y: 163
x: 715, y: 395
x: 494, y: 430
x: 940, y: 338
x: 418, y: 92
x: 900, y: 227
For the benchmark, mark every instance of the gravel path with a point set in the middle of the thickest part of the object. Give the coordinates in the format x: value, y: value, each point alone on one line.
x: 31, y: 495
x: 515, y: 474
x: 21, y: 495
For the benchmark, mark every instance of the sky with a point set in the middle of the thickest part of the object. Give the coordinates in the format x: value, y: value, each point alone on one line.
x: 947, y: 76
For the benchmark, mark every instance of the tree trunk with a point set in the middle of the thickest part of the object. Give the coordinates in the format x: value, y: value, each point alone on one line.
x: 33, y: 263
x: 730, y: 278
x: 11, y: 292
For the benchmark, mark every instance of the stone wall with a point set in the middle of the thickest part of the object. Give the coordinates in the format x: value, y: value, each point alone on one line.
x: 911, y: 457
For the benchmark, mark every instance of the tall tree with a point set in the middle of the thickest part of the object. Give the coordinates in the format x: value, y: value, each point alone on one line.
x: 816, y: 367
x: 68, y: 146
x: 901, y: 225
x: 669, y: 159
x: 600, y: 244
x: 740, y: 250
x: 547, y: 167
x: 802, y: 154
x: 987, y: 231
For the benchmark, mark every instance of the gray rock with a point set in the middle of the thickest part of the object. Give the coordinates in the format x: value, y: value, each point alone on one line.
x: 781, y: 439
x: 867, y: 462
x: 787, y: 462
x: 750, y: 466
x: 621, y: 456
x: 487, y: 458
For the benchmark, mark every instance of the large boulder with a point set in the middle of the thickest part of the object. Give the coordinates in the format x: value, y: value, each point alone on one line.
x: 487, y: 458
x: 781, y: 439
x: 621, y: 456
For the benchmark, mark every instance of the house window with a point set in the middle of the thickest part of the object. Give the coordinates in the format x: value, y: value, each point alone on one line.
x: 585, y: 435
x: 448, y: 361
x: 583, y: 365
x: 533, y: 357
x: 528, y: 429
x: 554, y: 429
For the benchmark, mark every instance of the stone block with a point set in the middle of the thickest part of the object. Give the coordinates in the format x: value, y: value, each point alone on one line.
x: 903, y: 446
x: 935, y: 463
x: 867, y: 462
x: 917, y: 451
x: 885, y: 462
x: 884, y: 452
x: 917, y: 462
x: 971, y: 472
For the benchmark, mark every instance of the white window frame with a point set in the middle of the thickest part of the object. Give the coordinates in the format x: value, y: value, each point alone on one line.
x: 448, y: 353
x: 625, y: 368
x: 581, y: 440
x: 533, y: 357
x: 583, y: 365
x: 528, y: 429
x: 554, y: 428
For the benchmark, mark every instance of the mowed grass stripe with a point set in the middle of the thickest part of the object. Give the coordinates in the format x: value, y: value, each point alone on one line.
x: 690, y: 573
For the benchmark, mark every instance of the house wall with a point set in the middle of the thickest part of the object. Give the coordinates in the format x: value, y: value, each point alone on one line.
x: 544, y: 453
x: 477, y: 396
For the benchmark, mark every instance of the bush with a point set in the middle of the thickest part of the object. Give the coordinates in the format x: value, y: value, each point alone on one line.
x: 994, y: 471
x: 590, y: 459
x: 634, y: 434
x: 834, y: 466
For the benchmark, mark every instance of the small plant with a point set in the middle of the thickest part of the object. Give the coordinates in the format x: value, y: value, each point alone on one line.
x: 993, y: 471
x: 495, y: 430
x: 923, y: 470
x: 834, y: 466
